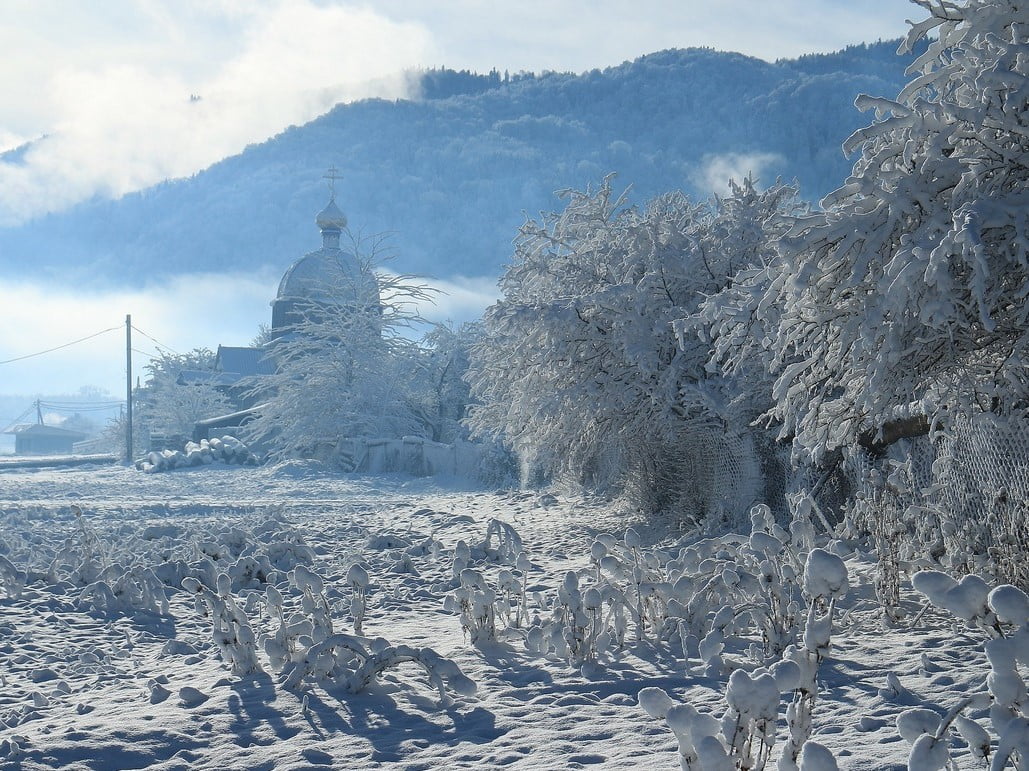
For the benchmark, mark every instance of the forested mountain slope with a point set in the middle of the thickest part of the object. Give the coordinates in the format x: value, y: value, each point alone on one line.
x: 452, y: 174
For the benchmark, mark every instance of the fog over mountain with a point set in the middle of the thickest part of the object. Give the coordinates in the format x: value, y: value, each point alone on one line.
x: 452, y: 174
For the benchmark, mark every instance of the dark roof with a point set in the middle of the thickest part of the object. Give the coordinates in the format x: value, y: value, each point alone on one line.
x: 244, y: 361
x: 35, y: 429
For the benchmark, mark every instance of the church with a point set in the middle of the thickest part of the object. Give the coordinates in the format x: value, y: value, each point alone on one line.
x: 326, y: 280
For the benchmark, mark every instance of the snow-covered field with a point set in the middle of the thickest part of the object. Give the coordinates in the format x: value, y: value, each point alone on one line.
x: 114, y: 681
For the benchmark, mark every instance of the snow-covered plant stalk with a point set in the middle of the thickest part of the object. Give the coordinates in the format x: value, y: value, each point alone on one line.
x: 777, y: 572
x: 509, y: 542
x: 509, y: 596
x: 928, y: 735
x: 11, y: 578
x: 572, y: 632
x: 633, y: 578
x: 345, y: 660
x: 91, y: 544
x: 462, y: 560
x: 314, y: 603
x: 357, y: 578
x: 231, y: 629
x: 474, y: 599
x: 825, y: 581
x: 523, y: 565
x: 281, y: 646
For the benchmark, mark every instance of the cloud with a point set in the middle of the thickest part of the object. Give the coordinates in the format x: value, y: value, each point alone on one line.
x: 460, y: 299
x: 715, y: 172
x: 145, y: 112
x: 579, y: 35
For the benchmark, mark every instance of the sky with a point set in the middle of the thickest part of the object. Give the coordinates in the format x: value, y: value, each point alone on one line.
x: 120, y: 95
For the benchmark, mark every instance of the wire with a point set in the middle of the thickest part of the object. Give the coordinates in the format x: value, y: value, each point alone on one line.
x: 59, y: 347
x: 155, y: 340
x: 107, y: 408
x: 148, y: 354
x: 80, y: 405
x: 19, y: 419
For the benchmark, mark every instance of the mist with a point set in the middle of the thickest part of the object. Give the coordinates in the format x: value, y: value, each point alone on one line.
x: 186, y: 312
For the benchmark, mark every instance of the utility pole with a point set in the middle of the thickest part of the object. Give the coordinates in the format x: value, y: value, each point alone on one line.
x: 128, y: 388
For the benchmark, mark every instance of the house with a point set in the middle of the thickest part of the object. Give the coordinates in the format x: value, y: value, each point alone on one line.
x: 234, y: 370
x: 40, y: 439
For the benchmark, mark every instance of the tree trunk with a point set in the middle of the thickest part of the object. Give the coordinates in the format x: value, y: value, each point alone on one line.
x: 876, y: 442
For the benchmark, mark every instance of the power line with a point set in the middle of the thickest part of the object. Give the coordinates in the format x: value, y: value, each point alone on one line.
x: 68, y: 407
x: 156, y: 341
x: 59, y: 347
x: 19, y: 419
x: 81, y: 407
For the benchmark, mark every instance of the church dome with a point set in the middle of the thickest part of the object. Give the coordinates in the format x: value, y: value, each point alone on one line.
x: 325, y: 275
x: 328, y: 279
x: 331, y: 218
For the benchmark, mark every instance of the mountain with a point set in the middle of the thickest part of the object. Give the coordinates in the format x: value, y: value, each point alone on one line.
x: 452, y: 174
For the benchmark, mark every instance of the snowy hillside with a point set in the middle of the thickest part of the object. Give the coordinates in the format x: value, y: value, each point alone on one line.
x: 172, y: 621
x: 452, y: 174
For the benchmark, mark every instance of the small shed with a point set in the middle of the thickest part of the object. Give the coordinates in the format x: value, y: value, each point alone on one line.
x: 39, y: 439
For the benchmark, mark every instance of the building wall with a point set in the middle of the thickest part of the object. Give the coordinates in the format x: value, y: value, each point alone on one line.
x: 42, y: 445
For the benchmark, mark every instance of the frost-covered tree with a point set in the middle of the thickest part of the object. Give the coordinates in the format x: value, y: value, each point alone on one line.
x: 440, y: 395
x: 905, y: 299
x: 165, y: 405
x: 343, y: 370
x: 579, y: 368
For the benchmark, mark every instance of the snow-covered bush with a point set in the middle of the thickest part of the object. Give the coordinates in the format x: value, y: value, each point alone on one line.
x: 313, y: 602
x: 281, y: 646
x: 1003, y: 613
x: 742, y: 736
x: 702, y: 598
x: 120, y: 590
x: 509, y: 543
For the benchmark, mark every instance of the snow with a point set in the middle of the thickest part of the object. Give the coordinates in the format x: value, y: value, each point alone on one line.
x: 259, y: 675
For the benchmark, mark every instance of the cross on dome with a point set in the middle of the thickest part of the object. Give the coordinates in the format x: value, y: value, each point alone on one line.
x: 332, y: 175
